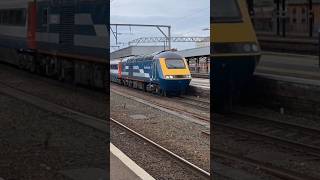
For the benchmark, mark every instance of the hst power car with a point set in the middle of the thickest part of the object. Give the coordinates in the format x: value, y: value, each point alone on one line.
x: 234, y: 49
x: 163, y: 73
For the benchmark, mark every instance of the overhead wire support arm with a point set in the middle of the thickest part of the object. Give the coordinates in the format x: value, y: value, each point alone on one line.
x: 172, y: 39
x: 167, y: 36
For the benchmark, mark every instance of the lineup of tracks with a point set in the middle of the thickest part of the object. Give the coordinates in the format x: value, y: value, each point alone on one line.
x: 298, y: 136
x: 270, y: 129
x: 197, y: 103
x: 197, y: 170
x: 98, y: 124
x: 304, y: 138
x: 284, y: 133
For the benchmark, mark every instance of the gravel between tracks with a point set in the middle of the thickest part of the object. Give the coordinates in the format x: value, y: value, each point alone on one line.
x: 149, y: 158
x: 263, y: 112
x: 77, y: 98
x: 93, y: 103
x: 266, y: 151
x: 24, y: 129
x: 166, y: 101
x: 180, y: 136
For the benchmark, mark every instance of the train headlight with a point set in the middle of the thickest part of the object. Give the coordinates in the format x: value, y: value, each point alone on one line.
x: 236, y: 48
x: 169, y: 77
x: 254, y: 47
x: 247, y: 47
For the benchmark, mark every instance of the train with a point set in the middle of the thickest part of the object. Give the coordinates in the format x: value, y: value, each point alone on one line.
x: 63, y: 39
x: 165, y: 73
x: 235, y: 52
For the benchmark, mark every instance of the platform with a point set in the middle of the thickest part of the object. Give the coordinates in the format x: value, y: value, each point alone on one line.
x: 123, y: 168
x: 200, y: 82
x: 291, y: 65
x: 200, y: 87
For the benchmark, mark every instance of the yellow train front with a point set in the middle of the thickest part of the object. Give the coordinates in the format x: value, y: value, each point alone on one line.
x: 235, y: 51
x: 164, y: 73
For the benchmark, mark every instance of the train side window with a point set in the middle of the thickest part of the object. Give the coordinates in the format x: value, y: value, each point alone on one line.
x: 14, y: 17
x: 294, y: 11
x: 5, y: 17
x: 294, y: 20
x: 10, y: 17
x: 45, y: 16
x: 1, y: 14
x: 20, y: 17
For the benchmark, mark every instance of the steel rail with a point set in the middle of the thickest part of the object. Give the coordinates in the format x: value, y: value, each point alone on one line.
x: 180, y: 110
x: 89, y: 121
x: 193, y: 167
x: 269, y: 168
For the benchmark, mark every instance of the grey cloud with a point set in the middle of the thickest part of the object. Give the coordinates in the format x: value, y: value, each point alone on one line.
x: 187, y: 17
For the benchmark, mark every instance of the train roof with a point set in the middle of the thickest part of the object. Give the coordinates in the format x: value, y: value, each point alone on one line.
x: 168, y: 54
x: 115, y: 61
x: 10, y: 4
x: 156, y: 55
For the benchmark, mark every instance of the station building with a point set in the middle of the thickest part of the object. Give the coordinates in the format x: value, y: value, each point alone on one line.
x: 294, y: 17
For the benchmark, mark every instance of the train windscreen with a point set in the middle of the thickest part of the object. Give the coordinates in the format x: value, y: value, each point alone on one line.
x: 225, y: 11
x: 175, y: 64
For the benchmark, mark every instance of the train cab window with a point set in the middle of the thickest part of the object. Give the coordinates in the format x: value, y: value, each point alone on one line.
x: 175, y: 64
x: 226, y: 11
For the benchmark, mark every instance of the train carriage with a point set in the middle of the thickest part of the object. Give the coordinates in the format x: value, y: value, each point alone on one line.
x: 67, y: 39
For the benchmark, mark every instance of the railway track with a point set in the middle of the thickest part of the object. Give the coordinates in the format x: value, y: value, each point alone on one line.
x: 180, y: 110
x: 297, y: 136
x: 200, y: 172
x: 300, y: 138
x: 268, y: 168
x: 98, y: 124
x: 194, y: 102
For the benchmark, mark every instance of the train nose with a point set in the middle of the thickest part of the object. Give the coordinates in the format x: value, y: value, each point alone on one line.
x: 176, y: 85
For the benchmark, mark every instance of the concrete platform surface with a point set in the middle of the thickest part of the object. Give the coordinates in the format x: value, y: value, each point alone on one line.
x: 86, y: 174
x: 291, y: 65
x: 200, y: 82
x: 123, y: 168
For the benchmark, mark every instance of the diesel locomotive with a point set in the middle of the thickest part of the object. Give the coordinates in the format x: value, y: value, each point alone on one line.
x: 165, y: 73
x: 65, y: 39
x: 234, y: 49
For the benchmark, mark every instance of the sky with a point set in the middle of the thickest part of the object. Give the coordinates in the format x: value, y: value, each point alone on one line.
x: 186, y: 18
